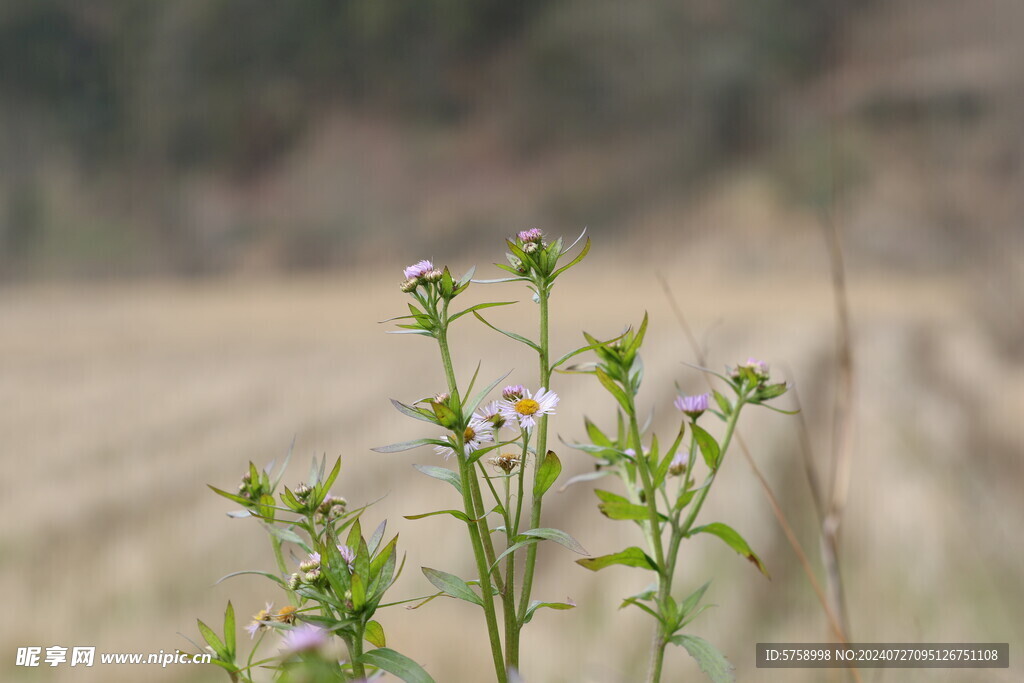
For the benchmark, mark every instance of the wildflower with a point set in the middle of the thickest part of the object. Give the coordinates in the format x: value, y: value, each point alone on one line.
x: 294, y: 581
x: 527, y: 407
x: 332, y: 506
x: 533, y: 235
x: 492, y: 413
x: 418, y: 270
x: 442, y: 397
x: 286, y: 614
x: 757, y: 368
x: 310, y: 564
x: 692, y: 406
x: 348, y: 555
x: 433, y: 275
x: 259, y: 620
x: 302, y: 491
x: 409, y: 285
x: 304, y: 638
x: 478, y: 432
x: 506, y: 462
x: 530, y: 247
x: 679, y: 463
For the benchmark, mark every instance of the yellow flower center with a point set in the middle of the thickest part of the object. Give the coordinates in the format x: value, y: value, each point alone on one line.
x: 470, y: 434
x: 527, y: 406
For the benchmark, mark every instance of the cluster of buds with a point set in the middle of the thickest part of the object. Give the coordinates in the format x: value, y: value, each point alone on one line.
x: 754, y: 375
x: 506, y: 462
x: 309, y: 573
x: 251, y: 489
x: 331, y: 508
x: 420, y: 273
x: 531, y: 240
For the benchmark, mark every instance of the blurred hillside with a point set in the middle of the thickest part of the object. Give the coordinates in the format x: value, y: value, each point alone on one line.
x: 214, y: 135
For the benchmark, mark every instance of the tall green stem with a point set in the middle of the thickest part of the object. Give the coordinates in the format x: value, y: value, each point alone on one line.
x: 542, y: 445
x: 679, y: 532
x: 469, y: 483
x: 355, y: 651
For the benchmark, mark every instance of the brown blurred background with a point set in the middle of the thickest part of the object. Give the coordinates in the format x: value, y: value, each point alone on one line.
x: 205, y: 207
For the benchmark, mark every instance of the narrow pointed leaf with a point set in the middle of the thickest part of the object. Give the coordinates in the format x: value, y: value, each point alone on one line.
x: 579, y: 257
x: 587, y: 476
x: 408, y: 445
x: 559, y: 537
x: 457, y: 514
x: 733, y: 540
x: 416, y: 413
x: 474, y: 309
x: 511, y: 335
x: 537, y: 604
x: 630, y: 557
x: 451, y: 585
x: 229, y: 630
x: 443, y: 474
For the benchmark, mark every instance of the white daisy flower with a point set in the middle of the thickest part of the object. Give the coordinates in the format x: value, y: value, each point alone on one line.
x: 528, y: 407
x: 479, y: 432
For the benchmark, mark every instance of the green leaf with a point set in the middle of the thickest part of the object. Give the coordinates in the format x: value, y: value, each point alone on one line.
x: 511, y: 335
x: 609, y: 497
x: 229, y: 630
x: 478, y: 399
x: 537, y: 604
x: 708, y: 447
x: 446, y: 417
x: 723, y: 403
x: 214, y: 641
x: 230, y: 496
x: 358, y: 593
x: 596, y: 435
x: 546, y: 475
x: 733, y: 540
x: 630, y: 557
x: 409, y: 445
x: 374, y: 634
x: 451, y: 585
x: 559, y: 537
x: 396, y: 663
x: 586, y: 476
x: 325, y: 486
x: 442, y: 473
x: 692, y: 601
x: 288, y: 536
x: 377, y: 537
x: 579, y: 257
x: 457, y: 514
x: 474, y: 309
x: 273, y: 577
x: 614, y: 390
x: 618, y: 510
x: 417, y: 413
x: 711, y: 661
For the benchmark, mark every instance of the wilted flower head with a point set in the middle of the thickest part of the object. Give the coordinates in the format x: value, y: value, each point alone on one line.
x: 286, y: 614
x: 531, y: 235
x: 505, y: 462
x: 418, y: 270
x: 693, y: 406
x: 679, y: 463
x: 527, y: 408
x: 304, y: 638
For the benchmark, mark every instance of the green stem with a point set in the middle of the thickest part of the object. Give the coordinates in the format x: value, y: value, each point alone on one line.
x: 542, y: 444
x: 355, y: 650
x: 509, y: 595
x: 469, y: 484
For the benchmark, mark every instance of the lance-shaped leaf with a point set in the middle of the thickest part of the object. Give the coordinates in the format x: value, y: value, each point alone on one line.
x: 579, y: 257
x: 630, y: 557
x: 457, y: 514
x: 708, y: 447
x: 711, y: 661
x: 547, y: 473
x: 478, y: 399
x: 535, y: 536
x: 733, y: 540
x: 417, y: 413
x: 451, y: 585
x: 397, y: 664
x: 586, y: 476
x: 474, y: 309
x: 272, y: 577
x: 511, y: 335
x: 537, y: 604
x: 409, y: 445
x: 230, y: 496
x: 442, y: 473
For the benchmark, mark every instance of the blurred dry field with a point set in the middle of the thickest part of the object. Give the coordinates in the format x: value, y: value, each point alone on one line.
x: 118, y: 403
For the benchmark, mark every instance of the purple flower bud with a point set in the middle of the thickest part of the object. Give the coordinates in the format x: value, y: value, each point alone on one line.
x: 693, y: 406
x: 418, y: 270
x: 679, y: 463
x: 304, y: 638
x: 513, y: 392
x: 531, y: 235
